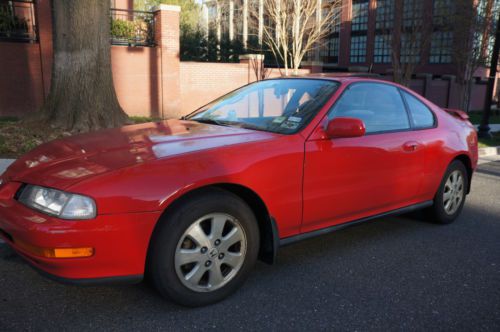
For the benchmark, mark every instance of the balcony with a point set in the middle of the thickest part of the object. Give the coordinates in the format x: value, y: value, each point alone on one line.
x: 132, y: 27
x: 17, y: 21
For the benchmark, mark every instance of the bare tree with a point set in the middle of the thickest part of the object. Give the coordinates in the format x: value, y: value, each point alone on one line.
x: 472, y: 25
x: 260, y: 71
x: 295, y: 27
x: 409, y: 39
x: 82, y: 96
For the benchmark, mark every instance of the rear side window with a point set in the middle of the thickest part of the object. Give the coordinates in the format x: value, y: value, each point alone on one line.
x: 421, y: 115
x: 379, y: 106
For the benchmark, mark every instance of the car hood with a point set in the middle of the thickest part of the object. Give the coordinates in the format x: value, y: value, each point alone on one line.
x: 64, y: 162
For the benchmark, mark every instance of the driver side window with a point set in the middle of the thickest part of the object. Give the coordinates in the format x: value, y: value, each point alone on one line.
x: 379, y: 106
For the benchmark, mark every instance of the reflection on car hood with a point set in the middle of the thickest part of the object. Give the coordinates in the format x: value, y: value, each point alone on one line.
x: 64, y: 162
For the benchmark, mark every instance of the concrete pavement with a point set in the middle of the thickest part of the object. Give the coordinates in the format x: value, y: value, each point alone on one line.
x: 4, y: 163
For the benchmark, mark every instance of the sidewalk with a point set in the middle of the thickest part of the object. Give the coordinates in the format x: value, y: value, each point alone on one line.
x: 493, y: 127
x: 4, y: 163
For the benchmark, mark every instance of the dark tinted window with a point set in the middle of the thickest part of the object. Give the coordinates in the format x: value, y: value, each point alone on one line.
x: 380, y: 106
x: 421, y: 115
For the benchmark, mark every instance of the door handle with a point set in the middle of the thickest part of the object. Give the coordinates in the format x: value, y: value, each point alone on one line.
x: 411, y: 146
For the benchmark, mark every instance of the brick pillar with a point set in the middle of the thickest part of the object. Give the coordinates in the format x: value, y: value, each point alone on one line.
x: 167, y: 33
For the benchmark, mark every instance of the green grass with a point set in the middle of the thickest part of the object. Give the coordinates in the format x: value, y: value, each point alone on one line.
x: 4, y: 119
x: 142, y: 119
x: 489, y: 142
x: 475, y: 117
x: 17, y: 139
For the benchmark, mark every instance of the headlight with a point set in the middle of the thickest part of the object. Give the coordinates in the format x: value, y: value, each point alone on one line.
x: 58, y: 203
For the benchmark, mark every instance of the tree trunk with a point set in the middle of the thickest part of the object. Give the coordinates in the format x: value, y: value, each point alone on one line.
x: 465, y: 87
x: 82, y: 96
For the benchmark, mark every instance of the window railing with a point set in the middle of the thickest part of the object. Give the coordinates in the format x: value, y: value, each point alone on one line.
x: 132, y: 27
x: 17, y: 21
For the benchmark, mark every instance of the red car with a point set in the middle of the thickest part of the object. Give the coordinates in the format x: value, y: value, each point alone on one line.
x: 193, y: 203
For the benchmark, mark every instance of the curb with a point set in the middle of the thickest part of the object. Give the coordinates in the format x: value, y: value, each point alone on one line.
x: 488, y: 152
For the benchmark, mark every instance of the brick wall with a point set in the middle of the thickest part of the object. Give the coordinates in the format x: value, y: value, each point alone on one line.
x: 137, y: 79
x: 25, y: 68
x: 202, y: 82
x: 21, y: 79
x: 151, y: 81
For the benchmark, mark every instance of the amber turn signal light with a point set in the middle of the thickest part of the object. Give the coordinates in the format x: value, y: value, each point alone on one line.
x: 55, y: 252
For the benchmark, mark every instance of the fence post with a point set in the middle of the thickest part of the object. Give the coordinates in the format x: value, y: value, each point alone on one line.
x: 427, y: 78
x: 451, y: 80
x: 167, y: 34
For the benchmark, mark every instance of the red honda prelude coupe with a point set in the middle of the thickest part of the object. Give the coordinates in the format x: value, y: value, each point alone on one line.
x: 193, y: 203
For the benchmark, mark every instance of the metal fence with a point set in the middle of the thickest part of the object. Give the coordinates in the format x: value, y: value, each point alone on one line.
x: 17, y: 21
x: 132, y: 27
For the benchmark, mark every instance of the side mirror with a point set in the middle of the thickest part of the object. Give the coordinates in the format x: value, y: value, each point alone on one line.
x: 345, y: 127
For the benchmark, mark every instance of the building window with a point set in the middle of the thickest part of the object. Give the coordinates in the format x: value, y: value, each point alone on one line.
x: 491, y: 43
x: 413, y: 11
x: 441, y: 47
x: 410, y: 48
x: 383, y: 49
x: 359, y: 15
x: 487, y: 41
x: 337, y: 14
x: 358, y: 49
x: 385, y: 14
x: 333, y: 50
x: 323, y: 51
x: 442, y: 12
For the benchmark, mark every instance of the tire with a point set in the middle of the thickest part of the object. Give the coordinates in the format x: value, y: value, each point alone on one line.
x: 454, y: 186
x: 192, y: 259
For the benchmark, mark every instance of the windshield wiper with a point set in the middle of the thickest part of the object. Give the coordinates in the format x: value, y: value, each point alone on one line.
x: 250, y: 126
x: 212, y: 121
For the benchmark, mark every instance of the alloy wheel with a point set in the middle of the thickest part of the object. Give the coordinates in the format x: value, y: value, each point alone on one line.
x: 453, y: 193
x: 210, y: 252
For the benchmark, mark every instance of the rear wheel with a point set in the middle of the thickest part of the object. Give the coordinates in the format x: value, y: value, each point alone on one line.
x: 204, y: 249
x: 450, y: 198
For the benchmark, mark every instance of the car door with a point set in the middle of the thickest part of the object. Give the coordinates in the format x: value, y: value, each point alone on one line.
x: 351, y: 178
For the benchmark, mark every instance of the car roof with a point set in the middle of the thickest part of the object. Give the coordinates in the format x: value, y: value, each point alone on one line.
x: 345, y: 77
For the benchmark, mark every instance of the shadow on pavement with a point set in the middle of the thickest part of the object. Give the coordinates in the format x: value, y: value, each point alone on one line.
x: 384, y: 274
x: 490, y: 168
x: 391, y: 273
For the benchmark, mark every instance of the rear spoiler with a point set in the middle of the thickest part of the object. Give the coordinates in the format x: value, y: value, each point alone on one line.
x: 457, y: 113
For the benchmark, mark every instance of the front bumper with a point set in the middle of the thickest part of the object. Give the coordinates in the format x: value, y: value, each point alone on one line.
x: 120, y: 241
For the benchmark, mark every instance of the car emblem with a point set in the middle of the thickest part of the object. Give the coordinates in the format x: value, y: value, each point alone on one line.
x: 213, y: 253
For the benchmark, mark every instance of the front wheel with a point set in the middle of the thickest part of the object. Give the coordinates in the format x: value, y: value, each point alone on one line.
x: 450, y: 198
x: 204, y: 249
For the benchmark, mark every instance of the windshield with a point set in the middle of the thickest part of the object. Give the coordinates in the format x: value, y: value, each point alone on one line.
x: 279, y: 105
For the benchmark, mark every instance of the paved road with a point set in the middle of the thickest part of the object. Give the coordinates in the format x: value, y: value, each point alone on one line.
x: 391, y: 274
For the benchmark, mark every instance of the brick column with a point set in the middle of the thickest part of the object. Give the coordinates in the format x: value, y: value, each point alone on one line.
x: 345, y: 35
x: 167, y: 34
